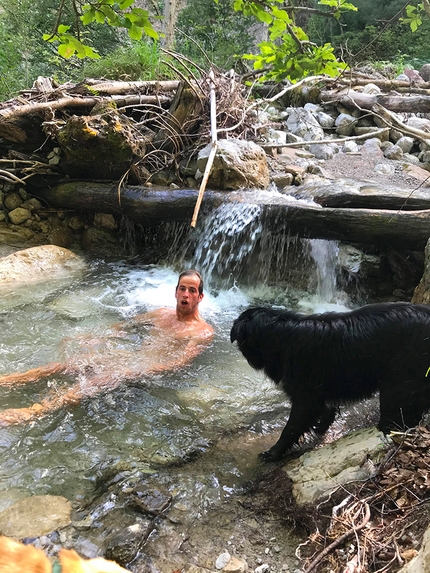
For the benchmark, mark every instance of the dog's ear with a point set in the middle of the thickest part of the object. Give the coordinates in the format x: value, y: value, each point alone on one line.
x: 234, y: 332
x: 243, y: 327
x: 239, y: 328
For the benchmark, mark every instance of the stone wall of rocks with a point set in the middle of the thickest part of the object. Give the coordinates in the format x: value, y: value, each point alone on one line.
x: 26, y: 221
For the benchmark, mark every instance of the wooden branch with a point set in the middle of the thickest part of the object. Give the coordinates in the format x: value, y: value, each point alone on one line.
x: 385, y: 85
x: 212, y: 152
x: 337, y: 140
x: 112, y: 87
x: 406, y: 229
x: 391, y: 119
x: 16, y: 111
x: 339, y: 541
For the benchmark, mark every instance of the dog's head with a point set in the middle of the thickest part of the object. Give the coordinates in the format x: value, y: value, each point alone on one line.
x: 249, y: 332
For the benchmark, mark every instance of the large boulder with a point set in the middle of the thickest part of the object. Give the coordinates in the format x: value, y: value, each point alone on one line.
x: 99, y: 146
x: 39, y: 264
x: 237, y: 164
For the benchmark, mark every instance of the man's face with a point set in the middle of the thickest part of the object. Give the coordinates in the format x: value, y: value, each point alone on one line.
x: 187, y: 294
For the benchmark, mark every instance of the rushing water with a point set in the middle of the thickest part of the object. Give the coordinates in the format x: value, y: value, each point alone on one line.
x: 166, y: 417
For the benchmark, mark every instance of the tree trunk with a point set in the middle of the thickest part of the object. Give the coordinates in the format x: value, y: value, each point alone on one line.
x: 171, y: 11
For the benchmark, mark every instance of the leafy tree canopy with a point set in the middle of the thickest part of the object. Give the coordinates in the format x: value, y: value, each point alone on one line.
x: 121, y: 14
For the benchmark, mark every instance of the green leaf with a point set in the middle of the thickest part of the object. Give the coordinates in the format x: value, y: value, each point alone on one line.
x: 125, y: 4
x: 100, y: 17
x: 135, y: 32
x: 282, y: 15
x: 90, y: 53
x: 62, y: 29
x: 66, y: 50
x: 149, y: 31
x: 329, y: 3
x: 349, y: 6
x: 88, y: 16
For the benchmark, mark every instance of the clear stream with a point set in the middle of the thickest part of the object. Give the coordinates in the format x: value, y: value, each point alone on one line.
x: 165, y: 417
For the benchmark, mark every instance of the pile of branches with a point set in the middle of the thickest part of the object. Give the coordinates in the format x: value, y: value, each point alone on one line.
x: 171, y: 118
x: 376, y: 525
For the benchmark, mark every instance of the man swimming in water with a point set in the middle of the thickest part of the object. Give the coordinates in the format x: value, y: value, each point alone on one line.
x: 175, y: 337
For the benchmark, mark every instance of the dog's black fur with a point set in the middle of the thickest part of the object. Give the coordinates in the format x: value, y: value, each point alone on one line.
x: 324, y: 360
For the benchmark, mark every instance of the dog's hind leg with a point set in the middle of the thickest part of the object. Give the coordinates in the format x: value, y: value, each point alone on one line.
x: 305, y: 415
x: 401, y: 409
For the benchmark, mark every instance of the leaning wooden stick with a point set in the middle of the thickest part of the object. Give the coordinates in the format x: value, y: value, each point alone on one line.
x: 212, y: 152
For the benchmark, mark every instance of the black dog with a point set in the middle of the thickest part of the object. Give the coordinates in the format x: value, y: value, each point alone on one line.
x: 324, y: 360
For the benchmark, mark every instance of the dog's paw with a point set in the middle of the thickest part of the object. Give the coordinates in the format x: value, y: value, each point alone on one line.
x: 272, y: 455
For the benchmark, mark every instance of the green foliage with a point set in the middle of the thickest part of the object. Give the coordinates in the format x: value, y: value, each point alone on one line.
x: 397, y: 44
x: 213, y: 30
x: 24, y: 55
x: 115, y: 14
x: 413, y: 17
x: 289, y: 54
x: 138, y: 61
x: 69, y: 45
x: 339, y: 6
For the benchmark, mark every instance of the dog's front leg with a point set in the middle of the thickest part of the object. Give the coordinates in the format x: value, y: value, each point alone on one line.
x: 304, y: 414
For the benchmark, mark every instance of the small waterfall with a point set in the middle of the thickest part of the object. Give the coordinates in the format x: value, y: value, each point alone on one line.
x: 234, y: 245
x: 237, y: 245
x: 326, y: 257
x: 223, y: 244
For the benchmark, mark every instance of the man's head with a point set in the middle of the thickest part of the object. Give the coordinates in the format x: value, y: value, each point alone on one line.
x: 189, y: 273
x: 189, y: 292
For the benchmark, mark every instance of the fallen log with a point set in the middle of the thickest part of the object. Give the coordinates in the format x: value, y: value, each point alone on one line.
x: 148, y: 207
x: 117, y: 87
x: 16, y: 111
x: 354, y: 99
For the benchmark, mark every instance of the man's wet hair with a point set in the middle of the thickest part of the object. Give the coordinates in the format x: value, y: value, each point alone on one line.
x: 190, y: 273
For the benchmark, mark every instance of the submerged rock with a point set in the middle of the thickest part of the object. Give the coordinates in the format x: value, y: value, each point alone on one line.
x: 35, y: 515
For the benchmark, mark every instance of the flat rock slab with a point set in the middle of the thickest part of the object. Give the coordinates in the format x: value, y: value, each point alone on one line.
x: 319, y: 472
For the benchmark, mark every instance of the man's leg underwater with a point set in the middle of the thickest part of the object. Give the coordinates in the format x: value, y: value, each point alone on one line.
x: 13, y: 416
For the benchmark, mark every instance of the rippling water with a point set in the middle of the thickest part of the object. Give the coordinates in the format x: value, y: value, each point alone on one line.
x: 150, y: 420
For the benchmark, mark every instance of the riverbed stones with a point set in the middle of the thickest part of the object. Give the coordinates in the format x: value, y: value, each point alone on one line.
x: 303, y: 123
x: 35, y: 516
x: 150, y: 500
x: 124, y: 546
